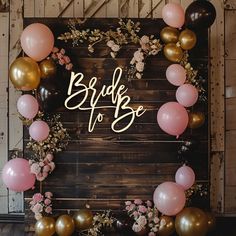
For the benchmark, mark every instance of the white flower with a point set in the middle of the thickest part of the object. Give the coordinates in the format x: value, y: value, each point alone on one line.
x: 110, y: 43
x: 144, y: 39
x: 38, y: 216
x: 136, y: 227
x: 35, y: 168
x: 142, y: 221
x: 138, y: 76
x: 132, y: 61
x: 113, y: 54
x: 138, y: 56
x: 140, y: 66
x: 115, y: 48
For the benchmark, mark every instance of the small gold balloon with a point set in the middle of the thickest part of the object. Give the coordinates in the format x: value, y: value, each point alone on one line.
x: 191, y: 221
x: 196, y: 119
x: 48, y: 68
x: 173, y: 53
x: 65, y: 225
x: 169, y: 35
x: 187, y: 39
x: 168, y: 228
x: 83, y: 219
x: 45, y: 226
x: 25, y: 74
x: 211, y: 221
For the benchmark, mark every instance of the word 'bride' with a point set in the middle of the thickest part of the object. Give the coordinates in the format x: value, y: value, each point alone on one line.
x: 120, y: 101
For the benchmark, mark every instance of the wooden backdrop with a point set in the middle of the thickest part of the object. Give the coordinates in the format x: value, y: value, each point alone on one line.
x: 11, y: 21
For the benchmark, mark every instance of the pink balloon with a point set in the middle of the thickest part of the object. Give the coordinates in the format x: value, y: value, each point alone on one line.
x: 173, y: 15
x: 172, y: 118
x: 37, y: 41
x: 16, y: 175
x: 27, y: 106
x: 176, y: 74
x: 39, y: 130
x: 187, y: 95
x: 185, y: 177
x: 169, y: 198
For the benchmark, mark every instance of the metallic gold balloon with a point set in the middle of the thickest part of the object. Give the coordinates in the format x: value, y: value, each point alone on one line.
x: 187, y: 39
x: 169, y: 35
x: 211, y: 221
x: 196, y: 119
x: 83, y: 219
x: 65, y: 225
x: 45, y: 226
x: 191, y: 221
x: 173, y: 53
x: 25, y: 74
x: 168, y: 228
x: 48, y: 68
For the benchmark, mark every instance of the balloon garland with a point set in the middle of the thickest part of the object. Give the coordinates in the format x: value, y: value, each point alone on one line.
x: 169, y: 198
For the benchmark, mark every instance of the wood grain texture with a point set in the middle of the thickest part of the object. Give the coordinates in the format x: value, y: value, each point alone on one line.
x: 103, y: 168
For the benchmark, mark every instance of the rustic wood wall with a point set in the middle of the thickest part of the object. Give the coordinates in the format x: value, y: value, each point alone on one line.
x: 124, y: 8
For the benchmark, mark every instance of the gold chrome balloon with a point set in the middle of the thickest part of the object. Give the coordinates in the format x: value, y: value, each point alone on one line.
x: 24, y: 74
x: 169, y: 35
x: 168, y: 228
x: 65, y: 225
x: 211, y: 221
x: 48, y: 68
x: 83, y: 219
x: 45, y: 226
x: 191, y: 221
x: 196, y: 119
x: 187, y: 39
x: 173, y: 53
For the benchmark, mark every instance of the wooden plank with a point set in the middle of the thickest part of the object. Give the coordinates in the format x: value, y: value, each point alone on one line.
x: 185, y: 3
x: 55, y: 8
x: 133, y: 8
x: 112, y: 8
x: 229, y: 4
x: 230, y: 207
x: 39, y: 10
x: 217, y: 109
x: 124, y: 8
x: 230, y: 73
x: 78, y: 8
x: 29, y: 8
x: 69, y: 9
x: 145, y: 8
x: 15, y: 124
x: 4, y: 40
x: 157, y: 6
x: 95, y: 8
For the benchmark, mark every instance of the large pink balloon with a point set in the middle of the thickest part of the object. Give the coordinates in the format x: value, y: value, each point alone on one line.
x: 176, y: 74
x: 172, y: 118
x: 37, y: 41
x: 16, y: 175
x: 27, y: 106
x: 185, y: 177
x: 187, y: 95
x: 39, y: 130
x: 169, y: 198
x: 173, y: 15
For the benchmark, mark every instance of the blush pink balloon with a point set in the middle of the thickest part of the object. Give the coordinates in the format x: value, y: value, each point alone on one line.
x: 187, y: 95
x: 16, y: 175
x: 176, y: 74
x: 27, y: 106
x: 185, y: 177
x: 172, y: 118
x: 169, y: 198
x: 39, y: 130
x: 173, y: 15
x: 37, y: 41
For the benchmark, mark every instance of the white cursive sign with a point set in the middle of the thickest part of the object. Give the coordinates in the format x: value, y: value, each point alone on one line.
x: 120, y: 101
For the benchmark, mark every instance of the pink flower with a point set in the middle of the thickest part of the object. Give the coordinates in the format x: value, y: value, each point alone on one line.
x: 127, y: 208
x: 69, y: 66
x: 48, y: 195
x: 61, y: 61
x: 138, y: 201
x: 150, y: 214
x: 35, y: 168
x: 110, y: 43
x: 38, y: 216
x: 149, y: 203
x: 66, y: 59
x: 136, y: 228
x: 131, y: 207
x: 142, y: 221
x: 37, y: 197
x: 40, y: 177
x: 128, y: 203
x: 54, y: 56
x: 47, y: 201
x: 135, y: 214
x: 52, y: 165
x: 49, y: 156
x: 45, y: 175
x: 142, y: 209
x: 156, y: 220
x: 55, y: 49
x: 41, y: 163
x: 37, y: 208
x: 59, y: 55
x: 140, y: 66
x: 138, y: 56
x: 144, y: 39
x: 151, y: 234
x: 62, y: 51
x: 46, y: 168
x: 32, y: 202
x: 48, y: 209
